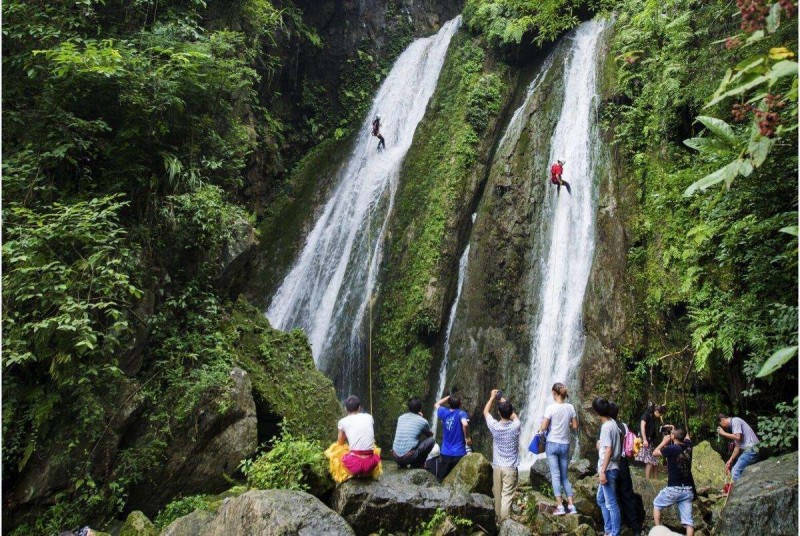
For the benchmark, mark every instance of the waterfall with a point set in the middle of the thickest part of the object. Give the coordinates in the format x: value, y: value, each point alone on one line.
x: 568, y: 233
x: 462, y: 271
x: 329, y: 288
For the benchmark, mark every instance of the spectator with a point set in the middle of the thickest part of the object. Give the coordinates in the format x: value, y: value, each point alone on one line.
x: 358, y: 431
x: 559, y: 417
x: 609, y: 449
x: 649, y: 427
x: 746, y: 442
x: 455, y: 433
x: 505, y: 452
x: 676, y: 447
x: 408, y: 450
x: 628, y: 501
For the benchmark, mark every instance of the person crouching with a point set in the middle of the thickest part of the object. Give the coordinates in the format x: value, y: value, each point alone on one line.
x: 354, y: 453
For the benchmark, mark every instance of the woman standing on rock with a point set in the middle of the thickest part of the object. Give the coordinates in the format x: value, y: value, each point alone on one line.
x: 650, y: 426
x: 560, y: 417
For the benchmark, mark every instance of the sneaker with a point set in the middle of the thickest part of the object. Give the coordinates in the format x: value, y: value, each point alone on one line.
x: 559, y: 511
x: 572, y: 509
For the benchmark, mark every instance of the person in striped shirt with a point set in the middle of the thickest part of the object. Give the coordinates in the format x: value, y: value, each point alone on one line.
x: 408, y: 450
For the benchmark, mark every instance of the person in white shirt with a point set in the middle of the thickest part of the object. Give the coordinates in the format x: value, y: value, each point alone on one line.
x: 358, y: 431
x: 505, y: 452
x: 560, y: 417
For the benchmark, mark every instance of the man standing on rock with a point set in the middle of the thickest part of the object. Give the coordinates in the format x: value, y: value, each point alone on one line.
x: 505, y: 452
x: 609, y: 449
x: 677, y: 449
x: 455, y: 433
x: 629, y: 502
x: 407, y: 448
x: 746, y: 442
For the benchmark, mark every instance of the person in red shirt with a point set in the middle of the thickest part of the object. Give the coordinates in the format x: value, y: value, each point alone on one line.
x: 555, y: 176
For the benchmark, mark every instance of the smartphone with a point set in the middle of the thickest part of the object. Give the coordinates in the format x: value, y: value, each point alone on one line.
x: 666, y: 430
x: 499, y: 395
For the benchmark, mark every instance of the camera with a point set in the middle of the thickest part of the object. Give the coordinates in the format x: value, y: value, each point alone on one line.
x: 499, y: 395
x: 666, y: 429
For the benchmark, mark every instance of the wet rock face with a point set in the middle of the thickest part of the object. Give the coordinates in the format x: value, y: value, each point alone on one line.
x: 490, y: 346
x: 202, y: 455
x: 264, y: 512
x: 400, y: 501
x: 764, y: 500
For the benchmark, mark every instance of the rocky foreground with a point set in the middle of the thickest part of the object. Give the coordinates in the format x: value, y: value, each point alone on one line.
x: 403, y: 502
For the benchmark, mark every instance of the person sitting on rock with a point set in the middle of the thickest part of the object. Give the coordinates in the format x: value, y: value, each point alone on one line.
x: 505, y: 452
x: 609, y: 448
x: 628, y: 503
x: 455, y: 433
x: 560, y: 417
x: 354, y: 453
x: 408, y: 450
x: 676, y: 447
x: 746, y: 443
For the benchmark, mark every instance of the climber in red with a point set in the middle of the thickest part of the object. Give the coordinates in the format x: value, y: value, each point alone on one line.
x: 555, y: 176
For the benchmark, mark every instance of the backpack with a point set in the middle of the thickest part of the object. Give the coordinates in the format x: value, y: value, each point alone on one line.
x: 628, y: 445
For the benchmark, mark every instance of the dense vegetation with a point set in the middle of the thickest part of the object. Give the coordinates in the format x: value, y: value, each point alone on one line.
x: 715, y: 271
x: 128, y: 128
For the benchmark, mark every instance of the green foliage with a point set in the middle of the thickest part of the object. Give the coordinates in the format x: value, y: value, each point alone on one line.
x: 184, y: 506
x: 437, y: 522
x: 67, y: 287
x: 778, y: 432
x: 713, y: 271
x: 505, y: 22
x: 294, y: 463
x: 430, y: 197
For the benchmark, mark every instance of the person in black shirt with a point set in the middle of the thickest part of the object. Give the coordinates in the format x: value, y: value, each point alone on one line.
x: 649, y: 427
x: 628, y: 503
x: 677, y: 449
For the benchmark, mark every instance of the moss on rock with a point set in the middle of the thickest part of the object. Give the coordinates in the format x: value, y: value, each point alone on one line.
x: 286, y: 384
x: 440, y: 180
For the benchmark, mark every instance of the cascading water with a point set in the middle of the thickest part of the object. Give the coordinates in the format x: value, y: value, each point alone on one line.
x: 462, y: 271
x: 568, y: 229
x: 329, y: 288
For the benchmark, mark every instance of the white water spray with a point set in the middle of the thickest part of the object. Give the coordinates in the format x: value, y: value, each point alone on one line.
x: 329, y: 288
x: 558, y: 338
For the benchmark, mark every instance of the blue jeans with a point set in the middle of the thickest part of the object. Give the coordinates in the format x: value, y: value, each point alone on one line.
x: 607, y: 501
x: 558, y: 459
x: 747, y: 457
x: 680, y: 495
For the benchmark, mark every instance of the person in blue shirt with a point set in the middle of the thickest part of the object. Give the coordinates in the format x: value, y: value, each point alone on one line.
x: 455, y: 433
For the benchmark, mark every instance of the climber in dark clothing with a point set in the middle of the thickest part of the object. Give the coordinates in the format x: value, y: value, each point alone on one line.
x: 376, y: 131
x: 555, y: 176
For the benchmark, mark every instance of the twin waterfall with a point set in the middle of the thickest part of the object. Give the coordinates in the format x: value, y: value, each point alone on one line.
x: 328, y: 290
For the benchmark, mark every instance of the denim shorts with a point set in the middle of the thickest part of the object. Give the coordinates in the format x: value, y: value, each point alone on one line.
x: 680, y: 495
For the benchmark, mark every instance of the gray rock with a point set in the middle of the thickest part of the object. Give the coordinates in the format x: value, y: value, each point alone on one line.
x: 473, y: 474
x: 764, y: 500
x: 263, y: 512
x: 509, y: 527
x: 540, y: 475
x: 580, y: 469
x: 401, y: 501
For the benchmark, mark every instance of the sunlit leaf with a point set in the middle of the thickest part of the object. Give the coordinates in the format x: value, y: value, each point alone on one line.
x: 778, y: 359
x: 726, y: 173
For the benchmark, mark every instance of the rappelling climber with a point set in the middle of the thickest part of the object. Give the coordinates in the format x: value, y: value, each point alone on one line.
x: 376, y: 131
x: 555, y: 176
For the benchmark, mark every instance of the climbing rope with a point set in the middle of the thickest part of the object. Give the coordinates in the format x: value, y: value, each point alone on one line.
x: 369, y: 334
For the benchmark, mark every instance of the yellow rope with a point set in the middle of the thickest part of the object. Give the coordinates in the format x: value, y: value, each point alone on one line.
x: 369, y: 336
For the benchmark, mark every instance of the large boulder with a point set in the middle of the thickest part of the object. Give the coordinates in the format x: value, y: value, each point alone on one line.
x: 137, y: 524
x: 266, y: 513
x: 473, y: 474
x: 401, y: 501
x: 764, y: 500
x: 670, y: 517
x: 580, y: 469
x: 206, y: 449
x: 708, y: 468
